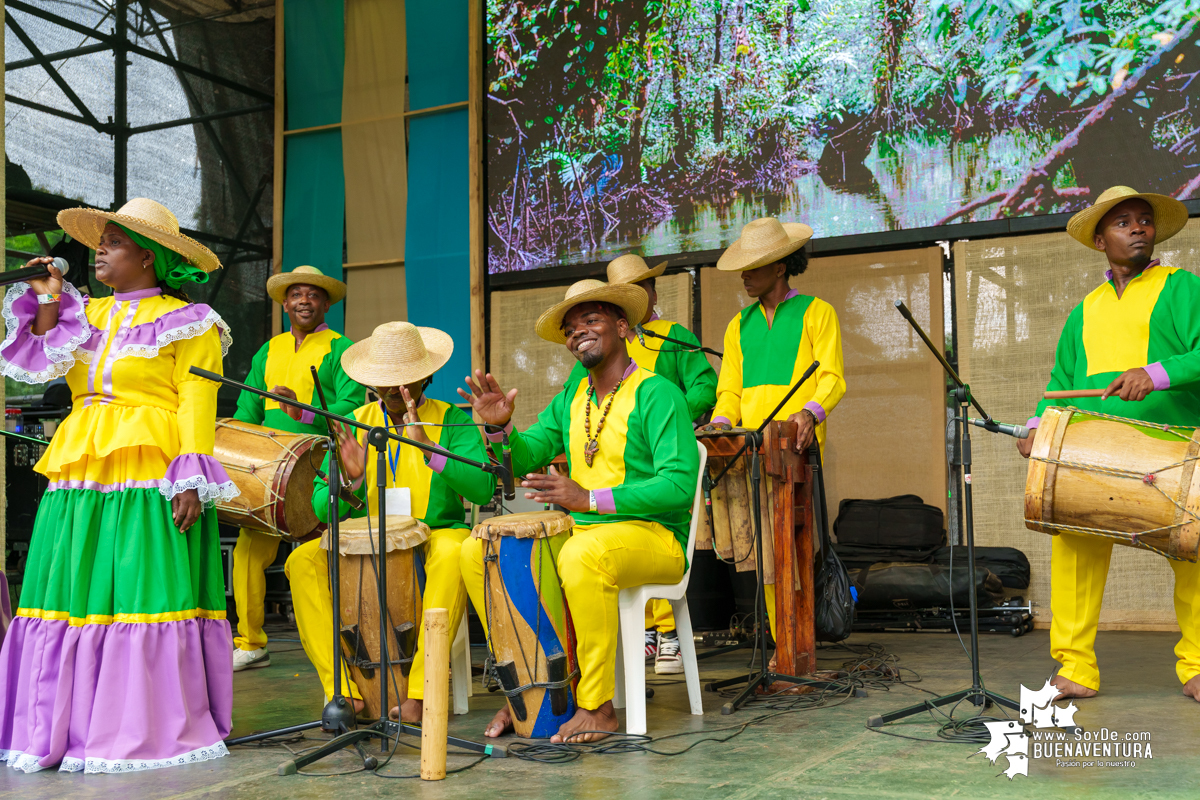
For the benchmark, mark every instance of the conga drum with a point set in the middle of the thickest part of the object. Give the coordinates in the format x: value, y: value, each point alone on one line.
x: 1133, y: 482
x: 359, y: 603
x: 530, y: 635
x: 274, y: 473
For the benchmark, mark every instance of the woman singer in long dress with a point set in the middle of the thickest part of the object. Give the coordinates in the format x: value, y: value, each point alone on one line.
x: 119, y: 657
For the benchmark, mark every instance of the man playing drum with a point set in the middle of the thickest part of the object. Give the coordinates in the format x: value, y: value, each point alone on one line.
x: 770, y: 344
x: 628, y: 437
x: 690, y: 371
x: 282, y: 366
x: 398, y: 360
x: 1137, y: 337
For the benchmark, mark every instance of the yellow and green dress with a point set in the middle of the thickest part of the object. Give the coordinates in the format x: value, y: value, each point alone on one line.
x: 763, y: 360
x: 437, y: 486
x: 1154, y: 324
x: 119, y: 656
x: 644, y: 476
x: 690, y: 371
x: 280, y: 362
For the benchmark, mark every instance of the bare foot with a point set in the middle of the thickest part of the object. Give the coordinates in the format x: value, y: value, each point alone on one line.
x: 410, y: 711
x: 500, y: 724
x: 357, y: 704
x: 1192, y: 688
x: 1069, y: 688
x: 586, y: 726
x: 771, y: 664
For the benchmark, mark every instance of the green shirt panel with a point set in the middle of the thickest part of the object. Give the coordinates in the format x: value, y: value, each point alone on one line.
x: 772, y: 356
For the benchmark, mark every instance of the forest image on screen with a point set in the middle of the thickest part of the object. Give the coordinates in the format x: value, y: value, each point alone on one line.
x: 663, y: 126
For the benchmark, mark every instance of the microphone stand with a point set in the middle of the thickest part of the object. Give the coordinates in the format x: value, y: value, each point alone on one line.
x: 338, y: 714
x: 691, y: 348
x: 976, y: 694
x: 764, y: 677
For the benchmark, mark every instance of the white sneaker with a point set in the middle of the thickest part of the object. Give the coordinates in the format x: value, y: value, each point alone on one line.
x: 250, y: 659
x: 668, y: 661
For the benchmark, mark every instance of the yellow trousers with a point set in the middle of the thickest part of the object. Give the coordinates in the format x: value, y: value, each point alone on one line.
x: 253, y: 553
x: 595, y: 564
x: 1078, y: 570
x: 308, y: 568
x: 769, y: 601
x: 660, y: 616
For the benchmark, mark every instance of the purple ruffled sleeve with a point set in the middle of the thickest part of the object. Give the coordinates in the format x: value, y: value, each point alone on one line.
x: 39, y: 359
x: 202, y: 473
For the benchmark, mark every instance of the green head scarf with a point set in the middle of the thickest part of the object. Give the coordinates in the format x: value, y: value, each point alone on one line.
x: 169, y: 266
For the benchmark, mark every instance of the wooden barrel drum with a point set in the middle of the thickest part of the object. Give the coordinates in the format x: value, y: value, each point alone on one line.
x: 1132, y: 482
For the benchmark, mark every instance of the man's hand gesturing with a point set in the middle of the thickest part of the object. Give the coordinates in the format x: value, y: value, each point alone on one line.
x: 489, y: 401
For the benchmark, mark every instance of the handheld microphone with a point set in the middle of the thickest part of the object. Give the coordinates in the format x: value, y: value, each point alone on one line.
x: 640, y: 334
x: 510, y: 491
x: 1018, y: 431
x: 31, y: 273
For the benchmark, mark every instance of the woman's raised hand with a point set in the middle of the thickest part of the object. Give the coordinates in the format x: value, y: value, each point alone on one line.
x: 490, y: 402
x: 48, y: 285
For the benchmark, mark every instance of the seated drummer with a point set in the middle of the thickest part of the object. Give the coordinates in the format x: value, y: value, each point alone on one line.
x: 769, y: 345
x: 398, y: 360
x: 627, y: 434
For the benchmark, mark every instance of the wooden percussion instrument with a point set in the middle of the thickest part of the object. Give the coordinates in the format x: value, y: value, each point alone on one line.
x: 530, y: 634
x: 786, y: 510
x: 1129, y: 481
x: 359, y: 601
x: 274, y: 471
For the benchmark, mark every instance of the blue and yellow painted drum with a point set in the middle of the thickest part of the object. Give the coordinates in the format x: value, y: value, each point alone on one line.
x: 530, y: 634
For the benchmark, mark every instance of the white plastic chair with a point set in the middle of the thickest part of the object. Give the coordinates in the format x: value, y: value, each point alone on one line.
x: 631, y: 646
x: 460, y: 668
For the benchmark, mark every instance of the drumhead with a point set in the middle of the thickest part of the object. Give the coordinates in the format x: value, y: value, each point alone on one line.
x: 525, y: 525
x: 403, y: 533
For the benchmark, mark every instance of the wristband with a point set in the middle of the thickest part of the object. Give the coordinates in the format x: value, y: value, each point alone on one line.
x: 47, y: 299
x: 591, y: 501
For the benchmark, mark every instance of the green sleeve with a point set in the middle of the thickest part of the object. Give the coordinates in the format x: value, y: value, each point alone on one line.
x: 697, y: 378
x: 470, y: 482
x: 667, y: 429
x: 250, y: 406
x: 545, y: 439
x: 1183, y: 369
x: 341, y: 391
x: 1069, y: 342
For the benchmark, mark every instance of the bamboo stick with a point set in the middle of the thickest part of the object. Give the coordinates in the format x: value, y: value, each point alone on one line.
x: 1071, y: 393
x: 434, y: 719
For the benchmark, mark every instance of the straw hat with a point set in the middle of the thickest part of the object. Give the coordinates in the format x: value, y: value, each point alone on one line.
x: 397, y: 354
x: 277, y: 285
x: 633, y: 299
x: 764, y: 241
x: 1170, y: 215
x: 150, y: 219
x: 631, y: 268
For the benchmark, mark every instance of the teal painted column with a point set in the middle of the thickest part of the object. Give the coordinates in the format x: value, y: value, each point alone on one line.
x: 436, y: 263
x: 314, y: 197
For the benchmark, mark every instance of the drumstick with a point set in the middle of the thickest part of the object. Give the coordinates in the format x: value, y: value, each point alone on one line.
x: 1071, y: 393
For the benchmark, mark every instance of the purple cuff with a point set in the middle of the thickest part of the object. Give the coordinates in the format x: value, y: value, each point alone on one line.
x: 307, y: 417
x: 605, y: 504
x: 499, y: 437
x: 202, y: 473
x: 815, y: 408
x: 719, y: 420
x: 1162, y: 380
x: 38, y: 359
x: 436, y: 461
x: 1033, y: 422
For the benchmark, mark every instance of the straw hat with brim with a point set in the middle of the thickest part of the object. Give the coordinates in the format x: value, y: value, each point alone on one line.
x: 1170, y: 215
x: 764, y: 241
x: 277, y: 285
x: 631, y: 268
x: 632, y: 300
x: 146, y: 217
x: 397, y: 354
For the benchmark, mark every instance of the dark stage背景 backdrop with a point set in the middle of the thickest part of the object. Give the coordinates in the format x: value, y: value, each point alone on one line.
x: 663, y: 126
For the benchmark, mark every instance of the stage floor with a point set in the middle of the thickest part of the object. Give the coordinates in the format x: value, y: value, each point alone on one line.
x: 824, y: 752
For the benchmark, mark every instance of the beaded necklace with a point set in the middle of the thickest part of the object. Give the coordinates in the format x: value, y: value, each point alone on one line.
x: 593, y: 443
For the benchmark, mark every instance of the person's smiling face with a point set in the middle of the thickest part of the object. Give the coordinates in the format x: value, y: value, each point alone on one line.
x: 306, y: 306
x: 593, y: 331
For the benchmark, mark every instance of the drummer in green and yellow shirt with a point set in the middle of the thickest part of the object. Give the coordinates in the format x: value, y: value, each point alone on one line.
x: 398, y: 360
x: 1137, y: 337
x: 686, y: 367
x: 282, y: 366
x: 771, y: 343
x: 633, y: 463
